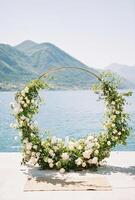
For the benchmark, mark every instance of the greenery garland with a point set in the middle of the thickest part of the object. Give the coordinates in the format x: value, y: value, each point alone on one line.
x: 57, y: 153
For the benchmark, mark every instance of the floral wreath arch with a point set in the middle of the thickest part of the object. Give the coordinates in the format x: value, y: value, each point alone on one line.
x: 84, y: 153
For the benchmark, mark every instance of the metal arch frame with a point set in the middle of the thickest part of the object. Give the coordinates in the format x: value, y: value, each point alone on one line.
x: 53, y: 70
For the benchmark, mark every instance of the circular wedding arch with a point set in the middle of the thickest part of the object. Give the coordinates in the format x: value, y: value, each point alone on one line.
x: 75, y: 154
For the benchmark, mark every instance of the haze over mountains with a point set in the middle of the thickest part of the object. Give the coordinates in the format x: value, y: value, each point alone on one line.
x: 28, y: 60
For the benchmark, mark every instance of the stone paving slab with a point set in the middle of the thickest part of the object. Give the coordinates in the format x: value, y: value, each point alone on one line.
x: 120, y: 171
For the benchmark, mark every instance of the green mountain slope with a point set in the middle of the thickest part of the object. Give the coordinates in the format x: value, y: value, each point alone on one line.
x: 29, y: 60
x: 15, y: 65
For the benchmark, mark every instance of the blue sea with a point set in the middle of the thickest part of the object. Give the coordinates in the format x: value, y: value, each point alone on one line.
x: 63, y: 113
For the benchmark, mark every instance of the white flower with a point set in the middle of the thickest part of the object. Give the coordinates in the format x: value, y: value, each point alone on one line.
x: 96, y: 152
x: 51, y: 165
x: 87, y: 153
x: 28, y: 146
x: 114, y: 131
x: 59, y: 140
x: 62, y: 170
x: 51, y: 152
x: 78, y: 161
x: 26, y: 90
x: 95, y: 139
x: 94, y: 160
x: 65, y: 156
x: 56, y: 148
x: 25, y: 141
x: 28, y: 152
x: 97, y: 145
x: 24, y: 105
x: 79, y: 147
x: 117, y: 112
x: 90, y: 137
x: 113, y: 125
x: 50, y: 160
x: 32, y: 126
x: 35, y: 147
x: 84, y: 164
x: 89, y: 145
x: 32, y: 101
x: 71, y: 145
x: 119, y: 133
x: 23, y: 93
x: 113, y: 103
x: 108, y: 143
x: 28, y: 101
x: 33, y: 160
x: 90, y: 161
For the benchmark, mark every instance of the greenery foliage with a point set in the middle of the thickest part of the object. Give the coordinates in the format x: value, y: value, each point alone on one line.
x: 71, y: 154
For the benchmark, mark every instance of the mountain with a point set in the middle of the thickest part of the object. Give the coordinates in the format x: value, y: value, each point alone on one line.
x: 14, y: 64
x: 128, y: 72
x: 26, y: 45
x: 29, y: 60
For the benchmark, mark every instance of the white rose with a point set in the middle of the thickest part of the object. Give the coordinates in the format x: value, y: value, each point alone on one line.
x: 96, y: 152
x: 33, y: 160
x: 51, y: 165
x: 89, y: 145
x: 62, y: 170
x: 83, y: 164
x: 65, y: 156
x: 24, y: 105
x: 87, y: 153
x: 94, y: 160
x: 119, y: 133
x: 50, y: 160
x: 113, y: 103
x: 71, y: 145
x: 78, y: 161
x: 79, y: 147
x: 90, y: 137
x: 90, y: 161
x: 108, y: 143
x: 35, y: 147
x: 28, y: 146
x: 51, y: 152
x: 26, y: 90
x: 32, y: 101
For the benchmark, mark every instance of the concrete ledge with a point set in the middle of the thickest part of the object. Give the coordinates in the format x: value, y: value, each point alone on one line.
x: 120, y: 171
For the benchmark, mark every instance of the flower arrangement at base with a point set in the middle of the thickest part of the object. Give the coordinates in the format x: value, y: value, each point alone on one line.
x: 84, y: 153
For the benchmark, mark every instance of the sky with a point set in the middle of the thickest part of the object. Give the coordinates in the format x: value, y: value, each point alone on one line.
x: 97, y: 32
